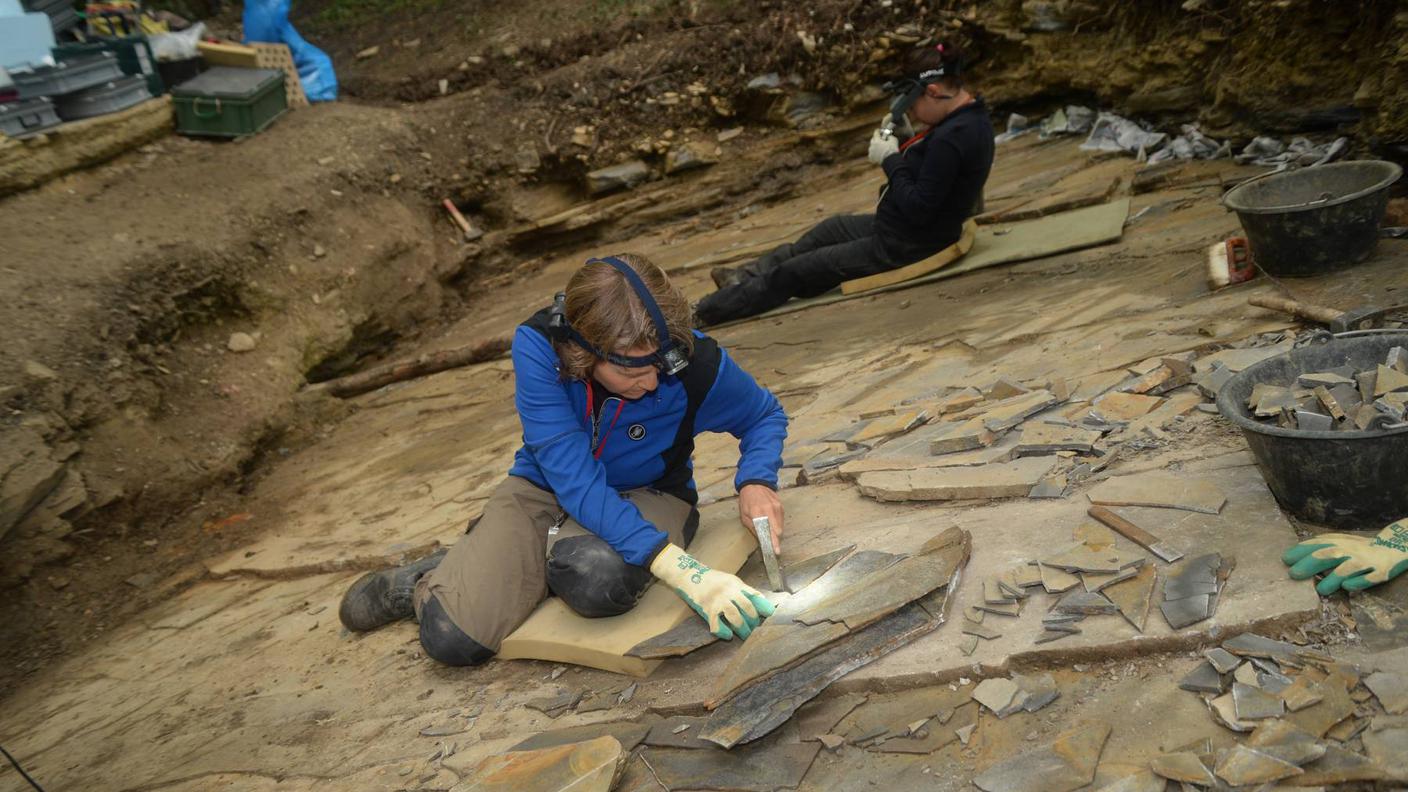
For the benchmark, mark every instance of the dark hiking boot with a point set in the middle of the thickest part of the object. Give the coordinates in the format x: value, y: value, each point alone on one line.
x: 379, y: 598
x: 725, y: 277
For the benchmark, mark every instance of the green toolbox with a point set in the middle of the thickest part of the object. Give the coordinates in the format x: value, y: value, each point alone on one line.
x: 229, y: 102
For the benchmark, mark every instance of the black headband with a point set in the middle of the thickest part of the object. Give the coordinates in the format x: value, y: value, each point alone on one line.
x: 908, y: 90
x: 668, y: 358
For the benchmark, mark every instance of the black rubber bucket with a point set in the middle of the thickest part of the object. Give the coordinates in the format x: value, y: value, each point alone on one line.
x: 1314, y: 220
x: 1347, y: 480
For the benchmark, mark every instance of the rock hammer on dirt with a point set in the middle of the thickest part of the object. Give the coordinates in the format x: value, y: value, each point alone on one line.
x: 1362, y: 318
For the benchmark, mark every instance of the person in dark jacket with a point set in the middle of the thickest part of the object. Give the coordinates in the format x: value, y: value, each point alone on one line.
x: 611, y: 385
x: 935, y: 183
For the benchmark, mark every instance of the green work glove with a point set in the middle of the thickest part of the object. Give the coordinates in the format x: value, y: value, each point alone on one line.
x: 730, y: 606
x: 1358, y: 562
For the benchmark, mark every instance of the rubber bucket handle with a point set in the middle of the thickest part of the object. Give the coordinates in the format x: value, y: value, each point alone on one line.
x: 195, y: 108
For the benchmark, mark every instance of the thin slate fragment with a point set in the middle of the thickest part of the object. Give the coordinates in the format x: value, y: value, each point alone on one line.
x: 1242, y: 766
x: 781, y: 640
x: 1135, y: 596
x: 1085, y: 603
x: 678, y: 641
x: 628, y: 734
x: 1203, y: 679
x: 803, y: 573
x: 780, y: 767
x: 1083, y: 558
x: 591, y: 765
x: 908, y: 579
x: 1221, y: 659
x: 1254, y: 703
x: 759, y: 709
x: 1185, y: 767
x: 1056, y: 581
x: 980, y: 630
x: 1067, y: 764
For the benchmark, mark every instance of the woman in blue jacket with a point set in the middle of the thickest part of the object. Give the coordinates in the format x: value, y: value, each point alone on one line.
x: 611, y: 387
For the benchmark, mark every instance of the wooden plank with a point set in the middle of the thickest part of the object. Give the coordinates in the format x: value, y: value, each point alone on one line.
x: 237, y: 55
x: 934, y: 263
x: 556, y: 634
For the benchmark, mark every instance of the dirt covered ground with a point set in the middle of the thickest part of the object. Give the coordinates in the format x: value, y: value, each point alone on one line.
x: 131, y: 428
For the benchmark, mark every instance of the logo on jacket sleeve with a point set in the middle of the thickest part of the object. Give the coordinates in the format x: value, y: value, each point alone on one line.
x: 636, y: 432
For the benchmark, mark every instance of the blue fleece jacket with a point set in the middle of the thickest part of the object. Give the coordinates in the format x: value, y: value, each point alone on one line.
x: 649, y: 444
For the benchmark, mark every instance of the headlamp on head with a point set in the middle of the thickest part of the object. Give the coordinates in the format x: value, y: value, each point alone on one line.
x: 669, y: 358
x: 907, y: 90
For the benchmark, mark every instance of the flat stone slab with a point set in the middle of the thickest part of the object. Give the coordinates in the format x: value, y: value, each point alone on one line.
x: 589, y: 766
x: 997, y: 480
x: 1039, y: 438
x: 554, y: 633
x: 1258, y: 593
x: 1066, y: 764
x: 1159, y: 489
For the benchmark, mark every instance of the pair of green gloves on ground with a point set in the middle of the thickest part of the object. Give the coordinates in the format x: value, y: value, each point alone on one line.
x: 730, y: 606
x: 1358, y: 562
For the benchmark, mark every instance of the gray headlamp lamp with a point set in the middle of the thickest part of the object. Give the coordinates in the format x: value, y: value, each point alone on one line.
x: 908, y: 90
x: 669, y: 358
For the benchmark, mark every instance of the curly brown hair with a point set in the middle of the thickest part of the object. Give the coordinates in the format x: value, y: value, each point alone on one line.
x: 602, y: 306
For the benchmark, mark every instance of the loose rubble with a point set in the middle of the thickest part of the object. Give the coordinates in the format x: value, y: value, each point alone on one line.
x: 1341, y: 399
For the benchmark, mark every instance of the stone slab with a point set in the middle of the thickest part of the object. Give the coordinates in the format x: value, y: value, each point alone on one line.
x: 914, y: 450
x: 997, y: 480
x: 556, y: 634
x: 1125, y: 406
x: 1259, y: 592
x: 1161, y: 489
x: 1039, y: 438
x: 590, y: 766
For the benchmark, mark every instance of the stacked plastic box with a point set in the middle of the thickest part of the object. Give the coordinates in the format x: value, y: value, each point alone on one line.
x: 70, y: 90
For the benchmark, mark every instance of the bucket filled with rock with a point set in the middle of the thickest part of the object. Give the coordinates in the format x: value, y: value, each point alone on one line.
x: 1328, y: 426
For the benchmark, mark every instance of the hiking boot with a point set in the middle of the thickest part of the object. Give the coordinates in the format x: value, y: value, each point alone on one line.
x: 725, y: 277
x: 379, y: 598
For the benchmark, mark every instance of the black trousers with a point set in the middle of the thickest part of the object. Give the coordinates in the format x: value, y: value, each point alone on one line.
x: 838, y: 249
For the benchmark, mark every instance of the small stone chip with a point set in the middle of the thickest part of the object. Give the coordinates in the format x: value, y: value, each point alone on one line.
x: 969, y: 628
x: 1203, y: 679
x: 1254, y: 704
x: 968, y: 644
x: 1221, y: 659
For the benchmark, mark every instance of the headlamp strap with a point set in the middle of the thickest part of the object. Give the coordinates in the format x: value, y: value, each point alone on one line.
x: 667, y: 357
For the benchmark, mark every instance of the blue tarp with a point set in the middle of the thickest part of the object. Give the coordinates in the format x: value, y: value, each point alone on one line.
x: 267, y: 20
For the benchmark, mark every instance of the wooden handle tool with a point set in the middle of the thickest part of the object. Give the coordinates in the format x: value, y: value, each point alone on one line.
x: 1135, y: 534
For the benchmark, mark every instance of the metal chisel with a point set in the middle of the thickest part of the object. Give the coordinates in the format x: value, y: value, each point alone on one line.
x: 1135, y: 534
x: 763, y: 528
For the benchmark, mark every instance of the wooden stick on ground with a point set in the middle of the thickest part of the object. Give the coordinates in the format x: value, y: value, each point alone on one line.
x: 400, y: 371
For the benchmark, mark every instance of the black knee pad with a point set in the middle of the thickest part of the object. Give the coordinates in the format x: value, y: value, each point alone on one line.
x: 445, y: 642
x: 691, y: 527
x: 593, y: 579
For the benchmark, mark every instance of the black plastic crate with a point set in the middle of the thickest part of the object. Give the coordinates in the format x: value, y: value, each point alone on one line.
x: 117, y: 95
x: 68, y: 76
x: 30, y: 117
